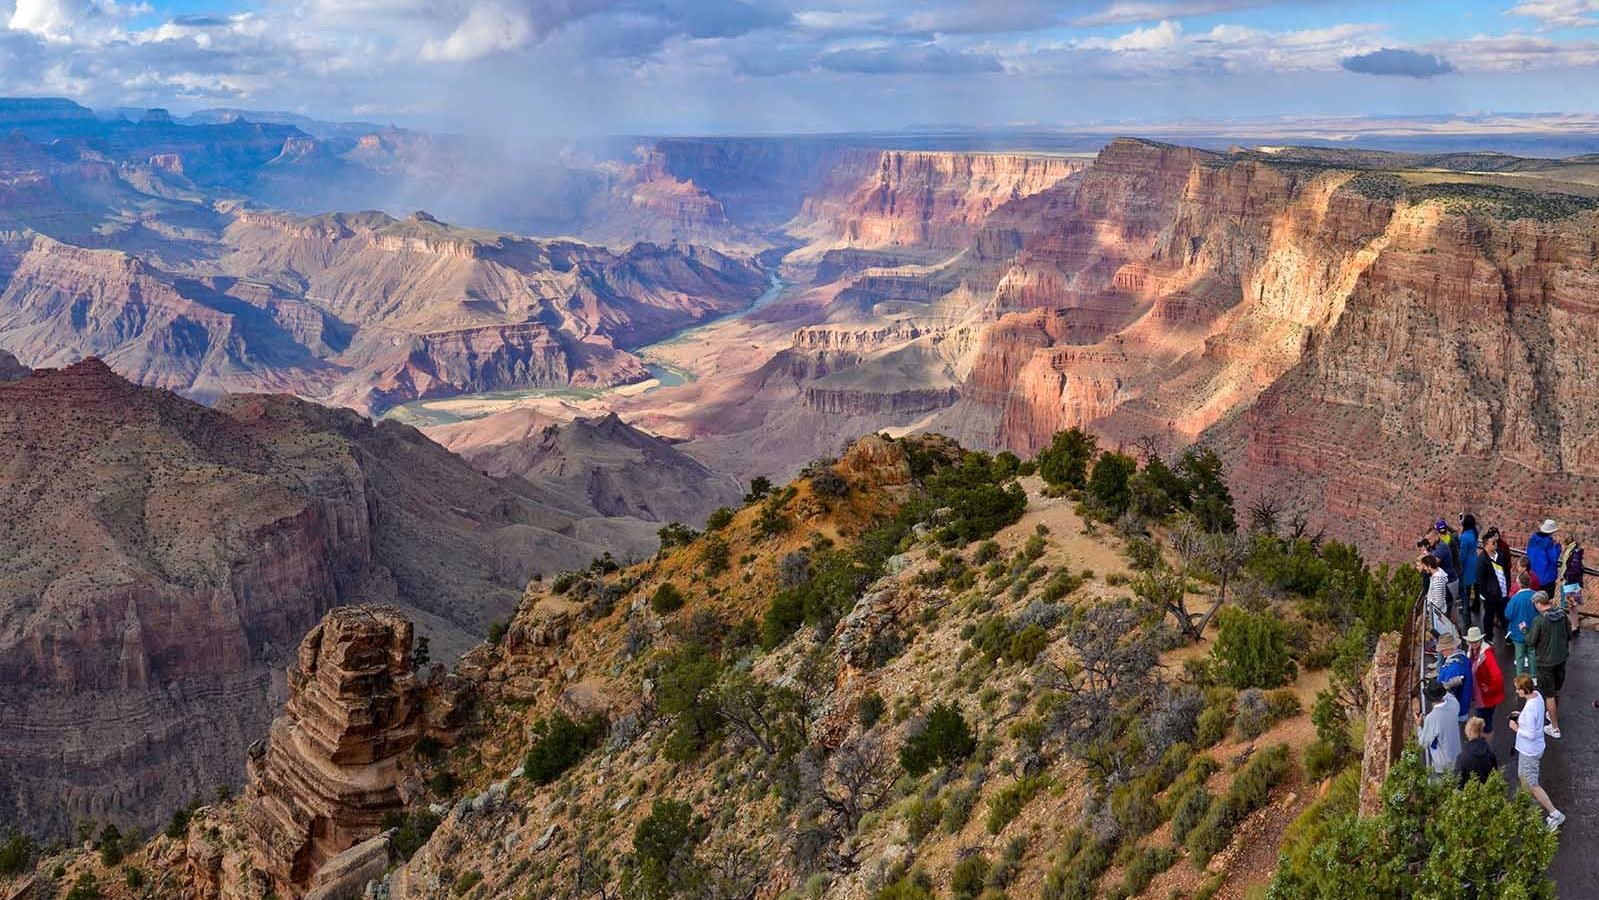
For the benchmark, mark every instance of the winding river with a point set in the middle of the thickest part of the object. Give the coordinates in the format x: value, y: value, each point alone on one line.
x: 462, y: 407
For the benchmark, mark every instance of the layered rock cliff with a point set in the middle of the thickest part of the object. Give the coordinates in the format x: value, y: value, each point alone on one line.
x: 163, y: 558
x: 922, y: 200
x: 329, y: 770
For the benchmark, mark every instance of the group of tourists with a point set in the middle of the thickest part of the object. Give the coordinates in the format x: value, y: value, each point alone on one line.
x: 1478, y: 592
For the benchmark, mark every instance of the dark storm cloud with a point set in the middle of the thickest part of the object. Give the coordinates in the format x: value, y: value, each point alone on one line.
x: 1403, y: 63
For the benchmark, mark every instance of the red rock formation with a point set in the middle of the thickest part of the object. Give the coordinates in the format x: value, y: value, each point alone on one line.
x: 922, y: 199
x: 330, y: 768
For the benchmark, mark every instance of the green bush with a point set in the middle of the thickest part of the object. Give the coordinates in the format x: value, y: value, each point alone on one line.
x: 1107, y: 486
x: 560, y: 743
x: 921, y: 816
x: 1252, y: 650
x: 1258, y: 710
x: 714, y: 556
x: 497, y: 630
x: 1064, y: 463
x: 1249, y: 791
x: 914, y: 886
x: 411, y: 831
x: 719, y: 519
x: 1190, y: 811
x: 468, y: 880
x: 16, y: 853
x: 958, y: 809
x: 87, y: 887
x: 1145, y: 866
x: 945, y: 739
x: 663, y: 847
x: 676, y: 534
x: 1215, y: 718
x: 1008, y: 802
x: 666, y: 599
x: 970, y: 877
x: 1431, y: 839
x: 111, y: 849
x: 986, y: 552
x: 870, y: 709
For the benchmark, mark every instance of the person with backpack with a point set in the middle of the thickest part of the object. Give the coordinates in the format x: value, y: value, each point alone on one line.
x: 1548, y: 637
x: 1487, y: 681
x: 1466, y: 547
x: 1493, y: 578
x: 1543, y: 556
x: 1454, y: 673
x: 1520, y: 612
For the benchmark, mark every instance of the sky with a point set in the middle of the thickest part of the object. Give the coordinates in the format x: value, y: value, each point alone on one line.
x: 563, y: 67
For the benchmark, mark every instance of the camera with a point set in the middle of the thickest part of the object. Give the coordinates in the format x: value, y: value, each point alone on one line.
x: 1422, y: 544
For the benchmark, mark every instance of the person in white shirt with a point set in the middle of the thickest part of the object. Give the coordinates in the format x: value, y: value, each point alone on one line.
x: 1437, y: 594
x: 1440, y: 730
x: 1528, y: 725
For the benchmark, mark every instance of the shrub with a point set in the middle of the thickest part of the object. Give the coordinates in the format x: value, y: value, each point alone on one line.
x: 468, y: 880
x: 1008, y: 802
x: 870, y: 709
x: 921, y: 816
x: 666, y: 599
x: 760, y: 486
x: 719, y: 519
x: 1145, y: 866
x: 676, y: 534
x: 1257, y: 710
x: 111, y: 850
x: 560, y: 743
x: 411, y: 831
x: 1107, y: 486
x: 958, y: 809
x: 1249, y: 791
x: 497, y: 630
x: 1215, y: 718
x: 914, y: 886
x: 663, y: 844
x: 969, y: 878
x: 133, y: 877
x: 828, y: 483
x: 16, y: 853
x: 944, y: 739
x: 1190, y: 811
x: 714, y: 556
x: 1427, y: 841
x: 87, y: 887
x: 1252, y: 650
x: 986, y: 552
x: 1064, y: 463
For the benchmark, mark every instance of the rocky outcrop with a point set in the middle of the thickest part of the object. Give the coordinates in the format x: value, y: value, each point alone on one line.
x: 11, y: 369
x: 926, y: 200
x: 603, y: 464
x: 330, y: 768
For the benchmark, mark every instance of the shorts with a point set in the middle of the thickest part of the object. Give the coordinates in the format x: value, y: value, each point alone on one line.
x: 1551, y: 679
x: 1527, y: 769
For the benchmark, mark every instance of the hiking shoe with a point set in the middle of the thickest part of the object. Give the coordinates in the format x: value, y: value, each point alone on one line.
x: 1552, y: 731
x: 1555, y: 819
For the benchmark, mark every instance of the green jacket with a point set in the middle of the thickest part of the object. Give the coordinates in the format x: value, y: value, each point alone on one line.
x: 1549, y: 637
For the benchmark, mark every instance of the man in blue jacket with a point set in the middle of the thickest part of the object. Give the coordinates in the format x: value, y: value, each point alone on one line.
x: 1543, y: 556
x: 1467, y: 547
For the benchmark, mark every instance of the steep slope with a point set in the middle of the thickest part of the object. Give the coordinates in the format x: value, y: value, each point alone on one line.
x: 602, y: 464
x: 618, y: 743
x: 162, y: 558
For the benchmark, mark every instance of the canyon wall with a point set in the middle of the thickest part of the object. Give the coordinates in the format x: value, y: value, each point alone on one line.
x: 163, y: 559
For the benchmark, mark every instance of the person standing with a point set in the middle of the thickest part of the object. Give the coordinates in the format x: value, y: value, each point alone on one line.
x: 1466, y: 545
x: 1439, y: 734
x: 1491, y: 582
x: 1571, y: 581
x: 1543, y: 556
x: 1437, y: 594
x: 1548, y: 637
x: 1487, y: 681
x: 1521, y: 611
x: 1454, y: 673
x: 1476, y: 759
x: 1441, y: 544
x: 1528, y: 723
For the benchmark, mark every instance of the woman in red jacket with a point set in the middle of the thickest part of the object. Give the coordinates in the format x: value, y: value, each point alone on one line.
x: 1488, y: 682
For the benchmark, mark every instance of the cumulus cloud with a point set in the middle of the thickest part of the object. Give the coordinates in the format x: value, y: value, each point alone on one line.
x: 69, y: 20
x: 923, y: 59
x: 1124, y: 12
x: 1560, y: 13
x: 1403, y: 63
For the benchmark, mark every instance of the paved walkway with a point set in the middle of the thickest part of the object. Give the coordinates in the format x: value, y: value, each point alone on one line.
x: 1570, y: 765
